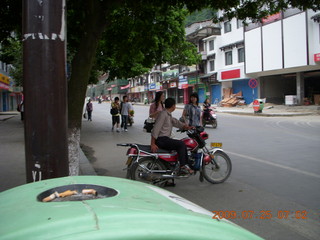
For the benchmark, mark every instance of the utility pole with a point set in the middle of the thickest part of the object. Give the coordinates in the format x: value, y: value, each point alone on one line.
x: 45, y: 89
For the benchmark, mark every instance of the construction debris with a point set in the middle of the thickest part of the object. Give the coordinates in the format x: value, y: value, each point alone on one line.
x: 230, y: 99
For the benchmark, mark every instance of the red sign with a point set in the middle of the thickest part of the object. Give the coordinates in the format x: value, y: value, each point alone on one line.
x: 173, y: 84
x: 253, y: 83
x: 256, y: 105
x: 317, y: 57
x: 230, y: 74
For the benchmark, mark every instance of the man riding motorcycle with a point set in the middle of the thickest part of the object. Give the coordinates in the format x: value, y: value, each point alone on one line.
x: 161, y: 132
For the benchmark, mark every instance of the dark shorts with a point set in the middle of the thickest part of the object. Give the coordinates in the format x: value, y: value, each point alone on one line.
x: 115, y: 119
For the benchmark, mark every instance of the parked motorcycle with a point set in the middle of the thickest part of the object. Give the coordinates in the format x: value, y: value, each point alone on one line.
x: 209, y: 117
x: 157, y: 168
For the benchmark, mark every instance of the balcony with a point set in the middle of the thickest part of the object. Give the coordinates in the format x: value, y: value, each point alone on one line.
x: 203, y: 32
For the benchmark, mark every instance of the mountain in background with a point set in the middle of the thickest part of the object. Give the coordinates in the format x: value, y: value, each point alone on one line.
x: 199, y: 16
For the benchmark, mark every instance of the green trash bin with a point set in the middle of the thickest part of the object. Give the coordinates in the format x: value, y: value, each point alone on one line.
x: 109, y: 208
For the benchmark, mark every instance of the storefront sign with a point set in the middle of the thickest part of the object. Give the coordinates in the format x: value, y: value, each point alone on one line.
x: 4, y: 79
x: 158, y: 86
x: 230, y: 74
x: 183, y: 82
x: 173, y: 84
x: 4, y: 86
x: 152, y: 87
x: 192, y: 80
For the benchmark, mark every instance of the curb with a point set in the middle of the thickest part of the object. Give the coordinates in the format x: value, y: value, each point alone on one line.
x: 85, y: 167
x: 265, y: 114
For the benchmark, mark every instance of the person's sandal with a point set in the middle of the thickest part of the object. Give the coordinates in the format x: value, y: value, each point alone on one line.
x: 187, y: 169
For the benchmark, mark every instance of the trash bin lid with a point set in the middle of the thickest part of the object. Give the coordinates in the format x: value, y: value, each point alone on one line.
x: 134, y: 210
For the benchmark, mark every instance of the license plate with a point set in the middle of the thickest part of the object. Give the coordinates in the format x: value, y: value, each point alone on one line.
x: 129, y: 161
x: 216, y: 145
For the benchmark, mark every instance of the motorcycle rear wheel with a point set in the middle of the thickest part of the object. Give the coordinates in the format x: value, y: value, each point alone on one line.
x: 150, y: 164
x: 217, y: 175
x: 214, y: 123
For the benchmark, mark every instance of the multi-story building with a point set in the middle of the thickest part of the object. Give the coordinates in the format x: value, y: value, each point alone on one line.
x: 283, y: 53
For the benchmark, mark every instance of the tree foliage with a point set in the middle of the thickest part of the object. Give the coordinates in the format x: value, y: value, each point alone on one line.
x: 198, y: 16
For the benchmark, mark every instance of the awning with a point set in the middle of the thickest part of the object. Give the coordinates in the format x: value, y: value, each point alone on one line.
x: 208, y: 75
x: 232, y: 45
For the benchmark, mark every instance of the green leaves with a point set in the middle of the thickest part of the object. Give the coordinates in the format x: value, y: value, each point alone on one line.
x: 138, y: 38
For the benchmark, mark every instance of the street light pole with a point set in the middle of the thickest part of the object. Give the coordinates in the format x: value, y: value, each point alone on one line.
x: 45, y: 89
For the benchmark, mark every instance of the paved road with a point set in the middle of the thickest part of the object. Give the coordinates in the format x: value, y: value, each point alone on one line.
x: 275, y: 169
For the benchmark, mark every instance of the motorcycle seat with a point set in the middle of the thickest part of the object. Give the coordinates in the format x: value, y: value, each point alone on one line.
x: 147, y: 148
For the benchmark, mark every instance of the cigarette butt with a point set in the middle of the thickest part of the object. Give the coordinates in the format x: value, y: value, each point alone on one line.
x: 67, y: 193
x: 51, y: 197
x: 89, y: 191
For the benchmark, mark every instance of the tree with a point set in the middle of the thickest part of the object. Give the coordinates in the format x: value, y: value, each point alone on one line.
x: 127, y: 37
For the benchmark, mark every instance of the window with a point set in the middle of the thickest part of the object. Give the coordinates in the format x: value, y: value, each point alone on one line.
x: 211, y: 65
x: 211, y: 45
x: 227, y: 27
x: 240, y: 55
x: 228, y: 56
x: 239, y: 23
x: 201, y: 48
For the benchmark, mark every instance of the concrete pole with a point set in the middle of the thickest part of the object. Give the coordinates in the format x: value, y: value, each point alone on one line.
x: 45, y: 89
x: 300, y: 88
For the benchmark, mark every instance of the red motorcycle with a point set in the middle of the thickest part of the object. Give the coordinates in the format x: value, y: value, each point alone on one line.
x: 157, y: 168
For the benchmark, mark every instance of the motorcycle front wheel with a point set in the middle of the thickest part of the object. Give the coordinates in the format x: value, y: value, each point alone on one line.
x: 217, y: 174
x: 141, y: 171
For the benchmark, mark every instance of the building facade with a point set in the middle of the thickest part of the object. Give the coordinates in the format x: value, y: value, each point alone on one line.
x: 283, y: 54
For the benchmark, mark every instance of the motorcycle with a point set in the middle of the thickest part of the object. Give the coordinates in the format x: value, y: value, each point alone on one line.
x: 209, y: 117
x: 157, y: 168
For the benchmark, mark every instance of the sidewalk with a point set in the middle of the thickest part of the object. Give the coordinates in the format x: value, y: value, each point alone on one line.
x: 12, y: 155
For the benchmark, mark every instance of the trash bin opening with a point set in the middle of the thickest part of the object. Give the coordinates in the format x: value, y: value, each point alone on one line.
x: 76, y: 192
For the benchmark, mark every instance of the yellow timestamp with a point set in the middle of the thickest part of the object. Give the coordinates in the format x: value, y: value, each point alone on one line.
x: 263, y: 214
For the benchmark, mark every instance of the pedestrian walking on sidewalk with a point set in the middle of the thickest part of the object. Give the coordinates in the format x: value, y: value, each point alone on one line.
x: 89, y: 109
x: 192, y: 111
x: 115, y: 112
x: 125, y: 109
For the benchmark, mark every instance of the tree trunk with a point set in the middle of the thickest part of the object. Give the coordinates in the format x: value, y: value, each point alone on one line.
x: 81, y: 67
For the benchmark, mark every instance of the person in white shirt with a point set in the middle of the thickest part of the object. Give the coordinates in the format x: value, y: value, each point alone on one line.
x: 125, y: 109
